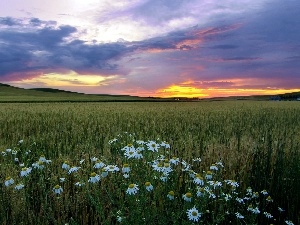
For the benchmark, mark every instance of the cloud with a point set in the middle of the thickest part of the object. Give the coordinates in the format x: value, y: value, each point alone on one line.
x: 8, y: 21
x: 40, y: 46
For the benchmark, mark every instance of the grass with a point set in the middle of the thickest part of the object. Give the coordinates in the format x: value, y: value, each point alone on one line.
x: 257, y: 142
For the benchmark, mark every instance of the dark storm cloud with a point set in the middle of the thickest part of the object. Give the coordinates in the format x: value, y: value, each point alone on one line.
x: 225, y: 46
x: 8, y: 21
x: 45, y: 49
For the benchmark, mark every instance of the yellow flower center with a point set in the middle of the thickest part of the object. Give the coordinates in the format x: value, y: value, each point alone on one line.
x: 111, y: 167
x: 8, y: 178
x: 194, y: 213
x: 129, y: 145
x: 199, y: 176
x: 153, y: 145
x: 24, y: 169
x: 131, y: 185
x: 201, y: 189
x: 166, y: 160
x: 188, y: 195
x: 130, y: 153
x: 125, y: 165
x: 40, y: 162
x: 93, y: 174
x: 57, y: 186
x: 147, y: 184
x: 66, y: 162
x: 167, y: 164
x: 171, y: 193
x: 209, y: 173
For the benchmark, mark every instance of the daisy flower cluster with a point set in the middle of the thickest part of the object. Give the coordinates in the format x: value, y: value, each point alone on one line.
x: 145, y: 174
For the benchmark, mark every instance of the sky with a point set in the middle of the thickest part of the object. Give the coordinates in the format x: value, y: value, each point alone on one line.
x: 158, y: 48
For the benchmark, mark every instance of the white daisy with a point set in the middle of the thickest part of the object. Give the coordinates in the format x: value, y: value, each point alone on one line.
x: 264, y: 192
x: 38, y: 165
x: 25, y: 171
x: 148, y: 186
x: 187, y: 197
x: 268, y: 215
x: 288, y: 222
x: 213, y: 167
x: 128, y: 147
x: 65, y: 165
x: 239, y: 216
x: 165, y: 144
x: 208, y: 175
x: 167, y: 168
x: 19, y: 186
x: 200, y: 192
x: 198, y: 179
x: 152, y: 146
x: 232, y: 183
x: 73, y: 169
x: 94, y: 159
x: 193, y: 214
x: 132, y: 189
x: 125, y: 168
x: 215, y: 184
x: 130, y: 153
x: 57, y: 189
x: 99, y: 164
x: 269, y: 199
x: 227, y: 197
x: 253, y: 210
x: 8, y: 181
x: 240, y: 200
x: 125, y: 175
x: 119, y: 219
x: 112, y: 168
x: 174, y: 160
x: 163, y: 178
x: 104, y: 173
x: 79, y: 183
x: 94, y: 178
x: 138, y: 155
x: 170, y: 195
x: 219, y: 164
x: 42, y: 158
x: 197, y: 160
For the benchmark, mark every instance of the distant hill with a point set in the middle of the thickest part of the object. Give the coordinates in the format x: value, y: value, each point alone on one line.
x: 14, y: 94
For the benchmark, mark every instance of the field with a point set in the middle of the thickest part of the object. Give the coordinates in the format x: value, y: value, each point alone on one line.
x: 257, y: 142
